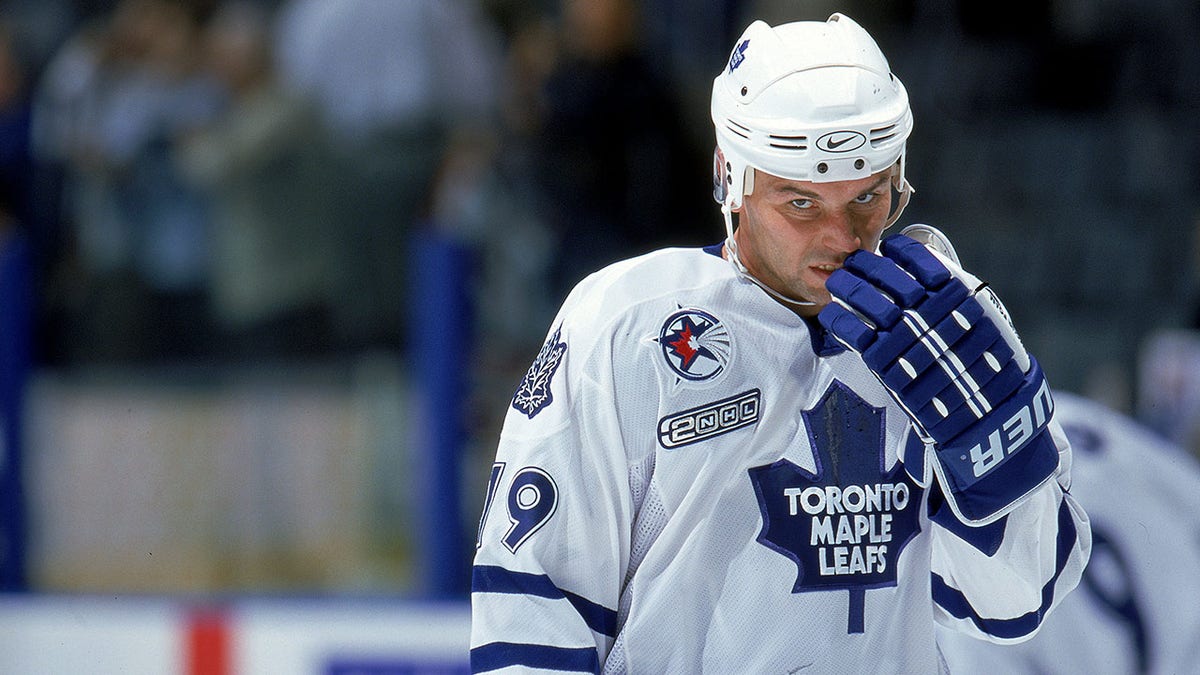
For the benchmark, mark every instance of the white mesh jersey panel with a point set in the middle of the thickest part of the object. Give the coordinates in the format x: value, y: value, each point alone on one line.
x: 651, y: 519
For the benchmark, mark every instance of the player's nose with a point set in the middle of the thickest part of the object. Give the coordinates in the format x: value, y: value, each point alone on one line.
x: 840, y: 234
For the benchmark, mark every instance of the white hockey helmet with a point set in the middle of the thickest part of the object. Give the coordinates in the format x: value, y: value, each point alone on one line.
x: 808, y: 100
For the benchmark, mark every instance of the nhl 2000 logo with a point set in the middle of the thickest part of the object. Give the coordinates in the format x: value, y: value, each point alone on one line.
x: 695, y: 345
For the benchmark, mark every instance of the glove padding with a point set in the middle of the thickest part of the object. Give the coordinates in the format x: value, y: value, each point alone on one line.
x: 942, y: 345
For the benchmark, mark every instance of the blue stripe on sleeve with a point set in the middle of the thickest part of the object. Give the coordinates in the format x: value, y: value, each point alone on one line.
x: 598, y: 617
x: 493, y: 579
x: 953, y: 601
x: 501, y: 654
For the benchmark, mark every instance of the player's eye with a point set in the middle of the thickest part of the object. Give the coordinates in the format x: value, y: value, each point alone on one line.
x: 802, y: 203
x: 866, y: 198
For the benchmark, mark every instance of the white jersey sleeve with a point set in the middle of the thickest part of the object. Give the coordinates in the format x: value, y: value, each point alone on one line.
x: 561, y: 472
x: 1000, y: 581
x: 1129, y: 614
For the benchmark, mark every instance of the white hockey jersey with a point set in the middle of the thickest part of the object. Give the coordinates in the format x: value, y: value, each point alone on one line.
x: 1137, y: 609
x: 693, y: 479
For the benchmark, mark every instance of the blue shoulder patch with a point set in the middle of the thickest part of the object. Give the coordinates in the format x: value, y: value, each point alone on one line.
x: 533, y: 394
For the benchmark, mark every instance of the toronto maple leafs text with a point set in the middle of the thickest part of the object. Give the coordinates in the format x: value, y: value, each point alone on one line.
x: 851, y: 526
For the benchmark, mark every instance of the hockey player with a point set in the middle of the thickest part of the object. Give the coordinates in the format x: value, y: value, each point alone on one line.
x: 795, y: 450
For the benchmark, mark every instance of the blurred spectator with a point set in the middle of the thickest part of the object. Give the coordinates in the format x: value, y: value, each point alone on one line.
x: 26, y: 191
x: 15, y: 160
x: 42, y: 25
x: 265, y: 163
x: 615, y: 169
x: 394, y: 82
x: 1168, y: 387
x: 112, y: 103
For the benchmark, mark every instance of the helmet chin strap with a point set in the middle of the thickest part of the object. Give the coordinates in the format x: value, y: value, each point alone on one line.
x: 736, y: 261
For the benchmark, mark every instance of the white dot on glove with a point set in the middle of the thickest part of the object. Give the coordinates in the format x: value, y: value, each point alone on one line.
x: 940, y: 407
x: 992, y: 362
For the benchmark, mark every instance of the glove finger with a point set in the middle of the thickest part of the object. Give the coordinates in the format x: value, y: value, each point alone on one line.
x: 932, y: 344
x: 943, y: 336
x: 970, y: 371
x: 985, y: 338
x: 941, y: 422
x: 889, y: 345
x: 975, y: 386
x: 938, y: 304
x: 864, y: 298
x: 952, y: 391
x: 846, y: 326
x: 1008, y: 379
x: 953, y: 408
x: 996, y: 386
x: 979, y: 392
x: 914, y: 258
x: 887, y: 276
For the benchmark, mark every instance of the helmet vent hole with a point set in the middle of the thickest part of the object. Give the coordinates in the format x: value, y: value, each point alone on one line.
x: 745, y: 91
x: 883, y: 134
x: 737, y: 129
x: 789, y: 142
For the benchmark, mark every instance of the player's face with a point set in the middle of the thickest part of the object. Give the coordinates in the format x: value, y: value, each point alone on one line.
x: 792, y: 234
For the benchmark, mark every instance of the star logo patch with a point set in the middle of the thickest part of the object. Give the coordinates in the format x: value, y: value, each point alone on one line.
x: 695, y: 345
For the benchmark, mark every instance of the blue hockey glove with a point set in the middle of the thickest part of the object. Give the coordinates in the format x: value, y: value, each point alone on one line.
x: 941, y: 343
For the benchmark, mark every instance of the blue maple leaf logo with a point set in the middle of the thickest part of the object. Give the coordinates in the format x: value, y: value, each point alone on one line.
x: 739, y: 55
x: 533, y: 394
x: 845, y: 525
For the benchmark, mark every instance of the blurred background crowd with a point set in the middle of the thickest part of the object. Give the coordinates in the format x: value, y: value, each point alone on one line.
x: 222, y: 197
x: 218, y: 180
